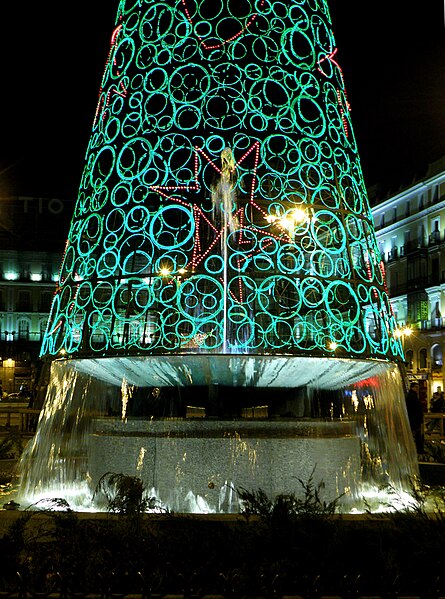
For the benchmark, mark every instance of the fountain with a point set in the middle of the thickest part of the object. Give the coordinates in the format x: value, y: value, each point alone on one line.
x: 221, y: 319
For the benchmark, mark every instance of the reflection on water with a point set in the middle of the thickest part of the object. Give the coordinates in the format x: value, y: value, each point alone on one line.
x: 194, y: 446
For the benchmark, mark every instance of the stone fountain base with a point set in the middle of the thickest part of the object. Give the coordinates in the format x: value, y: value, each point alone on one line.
x: 193, y: 465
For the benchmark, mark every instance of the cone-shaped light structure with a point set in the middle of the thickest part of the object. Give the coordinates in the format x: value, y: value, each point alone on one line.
x: 222, y: 208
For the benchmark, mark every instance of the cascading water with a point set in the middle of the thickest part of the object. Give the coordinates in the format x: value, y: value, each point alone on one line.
x: 353, y: 439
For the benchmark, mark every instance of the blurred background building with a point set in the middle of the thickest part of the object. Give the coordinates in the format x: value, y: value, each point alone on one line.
x: 410, y: 228
x: 31, y: 247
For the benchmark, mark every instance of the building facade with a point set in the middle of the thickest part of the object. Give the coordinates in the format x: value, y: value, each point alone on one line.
x: 31, y: 249
x: 27, y: 285
x: 410, y: 228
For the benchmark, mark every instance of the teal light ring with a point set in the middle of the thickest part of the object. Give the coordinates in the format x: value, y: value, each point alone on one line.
x: 145, y: 27
x: 263, y: 262
x: 342, y: 268
x: 278, y: 334
x: 86, y: 267
x: 238, y: 314
x: 312, y: 292
x: 322, y: 264
x: 102, y: 295
x: 290, y: 259
x: 131, y: 125
x: 159, y: 226
x: 137, y: 219
x: 99, y: 199
x: 102, y: 166
x: 211, y: 338
x: 244, y: 336
x: 328, y: 224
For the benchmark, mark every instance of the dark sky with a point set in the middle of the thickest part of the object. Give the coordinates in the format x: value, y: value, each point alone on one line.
x: 53, y: 54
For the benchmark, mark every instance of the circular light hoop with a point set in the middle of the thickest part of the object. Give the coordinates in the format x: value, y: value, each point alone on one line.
x: 199, y: 293
x: 278, y: 334
x: 290, y: 259
x: 160, y: 227
x: 137, y: 219
x: 102, y: 166
x: 159, y: 13
x: 340, y: 296
x: 67, y: 265
x: 263, y: 262
x: 322, y: 264
x: 237, y: 314
x: 328, y: 232
x: 214, y: 264
x: 84, y: 295
x: 134, y: 158
x: 122, y: 57
x: 312, y: 292
x: 89, y: 234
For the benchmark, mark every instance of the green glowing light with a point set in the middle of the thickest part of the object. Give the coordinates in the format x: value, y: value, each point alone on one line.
x: 222, y: 206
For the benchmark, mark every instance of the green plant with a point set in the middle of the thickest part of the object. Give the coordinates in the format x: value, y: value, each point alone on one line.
x: 309, y: 503
x: 124, y: 494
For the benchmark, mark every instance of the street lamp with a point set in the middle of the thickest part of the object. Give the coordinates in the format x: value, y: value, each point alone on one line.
x: 403, y: 332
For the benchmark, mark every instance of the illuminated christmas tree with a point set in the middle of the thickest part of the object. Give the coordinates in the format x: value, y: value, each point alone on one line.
x: 222, y: 207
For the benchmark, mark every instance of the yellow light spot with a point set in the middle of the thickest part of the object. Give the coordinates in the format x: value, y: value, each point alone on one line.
x: 299, y: 215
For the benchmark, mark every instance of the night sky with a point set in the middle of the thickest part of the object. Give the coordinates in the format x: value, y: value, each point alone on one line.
x: 53, y: 55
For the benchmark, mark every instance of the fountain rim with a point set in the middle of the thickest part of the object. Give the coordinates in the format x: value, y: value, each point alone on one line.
x: 232, y: 370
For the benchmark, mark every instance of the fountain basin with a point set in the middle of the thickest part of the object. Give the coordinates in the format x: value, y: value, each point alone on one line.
x: 201, y: 464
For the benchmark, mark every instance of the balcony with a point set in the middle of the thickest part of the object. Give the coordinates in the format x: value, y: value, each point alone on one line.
x: 23, y: 338
x: 433, y: 324
x: 434, y: 238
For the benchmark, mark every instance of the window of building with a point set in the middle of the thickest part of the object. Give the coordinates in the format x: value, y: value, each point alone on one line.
x: 407, y: 208
x: 46, y: 271
x: 23, y: 301
x: 423, y: 358
x: 421, y: 235
x: 25, y: 270
x: 436, y: 316
x: 409, y: 359
x: 24, y: 330
x: 45, y: 301
x: 435, y: 272
x: 435, y: 233
x: 437, y: 356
